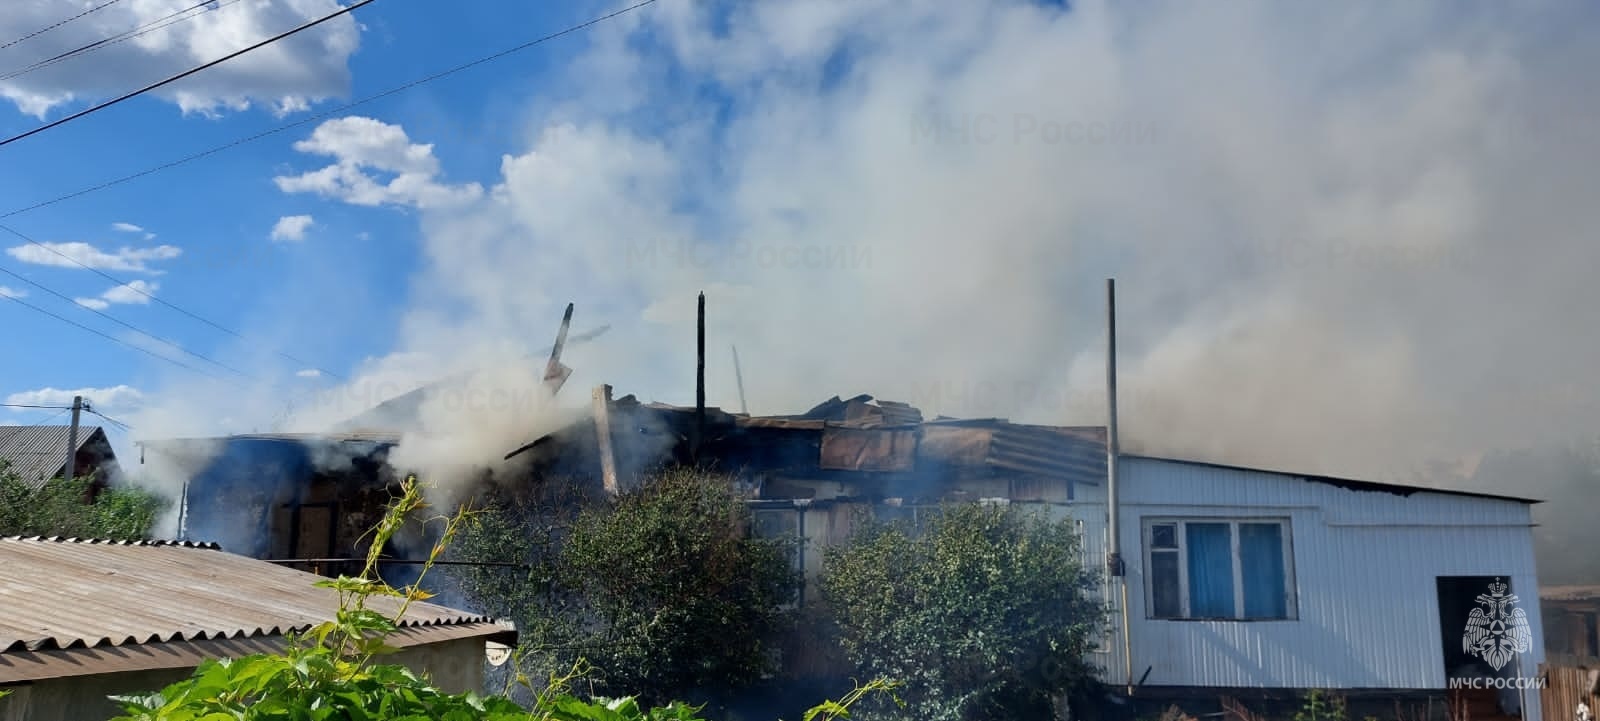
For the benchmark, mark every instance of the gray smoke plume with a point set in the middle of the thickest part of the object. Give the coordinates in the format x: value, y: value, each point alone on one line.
x: 1350, y: 238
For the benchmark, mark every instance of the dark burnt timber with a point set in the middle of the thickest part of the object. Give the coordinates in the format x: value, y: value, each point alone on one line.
x: 697, y: 434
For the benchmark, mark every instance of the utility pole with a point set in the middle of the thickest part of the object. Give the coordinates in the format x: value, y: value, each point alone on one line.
x: 67, y: 472
x: 1116, y: 569
x: 699, y: 381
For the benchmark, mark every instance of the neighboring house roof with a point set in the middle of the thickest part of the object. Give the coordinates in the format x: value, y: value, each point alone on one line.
x: 82, y: 607
x: 1346, y: 483
x: 38, y: 453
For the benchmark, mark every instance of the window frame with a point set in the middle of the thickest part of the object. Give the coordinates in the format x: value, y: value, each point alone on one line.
x: 1180, y: 548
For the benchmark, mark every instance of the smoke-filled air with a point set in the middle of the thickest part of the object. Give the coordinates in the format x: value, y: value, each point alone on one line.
x: 1348, y: 238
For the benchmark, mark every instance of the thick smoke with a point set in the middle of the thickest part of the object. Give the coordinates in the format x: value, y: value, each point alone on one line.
x: 1349, y: 238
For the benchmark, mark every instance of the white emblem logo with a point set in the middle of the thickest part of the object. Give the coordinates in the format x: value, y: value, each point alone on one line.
x: 1496, y: 630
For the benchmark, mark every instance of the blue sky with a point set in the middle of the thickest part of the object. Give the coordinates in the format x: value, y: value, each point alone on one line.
x: 220, y: 211
x: 1319, y: 216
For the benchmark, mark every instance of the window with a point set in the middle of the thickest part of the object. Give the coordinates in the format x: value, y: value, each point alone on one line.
x: 1219, y: 569
x: 915, y: 517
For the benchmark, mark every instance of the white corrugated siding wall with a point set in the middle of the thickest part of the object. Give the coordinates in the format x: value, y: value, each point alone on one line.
x: 1365, y: 565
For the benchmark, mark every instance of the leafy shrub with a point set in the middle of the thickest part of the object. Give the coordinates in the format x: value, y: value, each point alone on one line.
x: 985, y: 612
x: 680, y: 598
x: 327, y: 673
x: 72, y: 508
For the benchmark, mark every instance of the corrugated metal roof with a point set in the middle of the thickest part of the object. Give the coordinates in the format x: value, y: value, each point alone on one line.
x: 60, y: 663
x: 1059, y: 452
x: 64, y: 594
x: 1352, y: 484
x: 37, y: 453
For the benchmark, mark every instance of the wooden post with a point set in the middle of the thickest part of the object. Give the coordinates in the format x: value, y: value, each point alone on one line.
x: 602, y: 428
x: 699, y: 382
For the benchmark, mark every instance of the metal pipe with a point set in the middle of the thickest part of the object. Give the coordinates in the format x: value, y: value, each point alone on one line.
x: 1115, y: 567
x: 738, y: 377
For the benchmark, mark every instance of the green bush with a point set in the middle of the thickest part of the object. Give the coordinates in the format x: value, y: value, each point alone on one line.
x: 677, y: 597
x: 985, y: 612
x: 72, y: 508
x: 327, y: 673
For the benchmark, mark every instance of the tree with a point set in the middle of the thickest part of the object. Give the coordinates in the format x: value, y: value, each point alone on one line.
x: 663, y: 591
x: 327, y: 673
x: 73, y: 508
x: 521, y: 533
x: 985, y: 612
x: 673, y: 568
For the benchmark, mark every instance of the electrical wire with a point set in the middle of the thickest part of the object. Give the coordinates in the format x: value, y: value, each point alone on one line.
x: 162, y: 301
x: 123, y: 323
x: 175, y: 78
x: 48, y: 28
x: 112, y: 338
x: 85, y: 408
x: 328, y: 113
x: 122, y: 37
x: 109, y: 419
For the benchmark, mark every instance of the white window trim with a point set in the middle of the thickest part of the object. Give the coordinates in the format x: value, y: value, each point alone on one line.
x: 1291, y: 598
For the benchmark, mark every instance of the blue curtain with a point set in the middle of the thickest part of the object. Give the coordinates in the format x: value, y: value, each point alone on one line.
x: 1261, y: 554
x: 1210, y: 570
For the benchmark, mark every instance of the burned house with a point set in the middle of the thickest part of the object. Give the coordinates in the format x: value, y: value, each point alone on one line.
x: 1572, y: 622
x: 283, y: 496
x: 1231, y: 579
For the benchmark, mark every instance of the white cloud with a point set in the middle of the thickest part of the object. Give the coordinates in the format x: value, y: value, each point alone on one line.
x: 111, y: 400
x: 134, y: 292
x: 78, y: 255
x: 287, y: 75
x: 308, y: 373
x: 137, y: 292
x: 366, y: 151
x: 9, y: 292
x: 292, y: 228
x: 126, y: 228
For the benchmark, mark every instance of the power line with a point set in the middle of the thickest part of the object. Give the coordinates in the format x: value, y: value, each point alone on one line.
x: 111, y: 338
x: 331, y: 112
x: 121, y: 322
x: 122, y: 37
x: 48, y: 28
x: 150, y: 296
x: 109, y: 419
x: 85, y: 407
x: 162, y: 83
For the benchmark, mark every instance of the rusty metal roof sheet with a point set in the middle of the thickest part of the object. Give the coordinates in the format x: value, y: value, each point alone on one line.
x: 68, y: 594
x: 858, y: 449
x: 1061, y: 452
x: 38, y: 453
